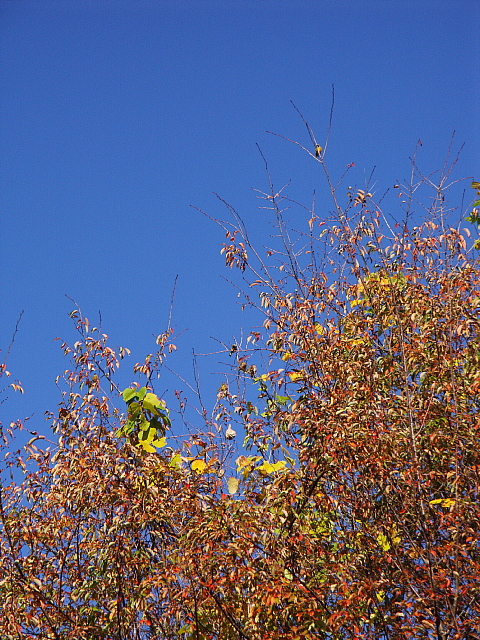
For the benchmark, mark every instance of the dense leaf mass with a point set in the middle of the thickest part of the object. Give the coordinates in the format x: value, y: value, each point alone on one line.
x: 354, y: 511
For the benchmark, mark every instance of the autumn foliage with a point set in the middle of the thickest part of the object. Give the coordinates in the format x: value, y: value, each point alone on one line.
x: 352, y: 509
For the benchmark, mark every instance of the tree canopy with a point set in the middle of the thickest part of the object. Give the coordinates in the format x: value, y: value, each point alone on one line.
x: 353, y: 509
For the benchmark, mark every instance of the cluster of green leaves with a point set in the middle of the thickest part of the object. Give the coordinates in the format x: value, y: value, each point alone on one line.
x: 474, y: 216
x: 147, y: 421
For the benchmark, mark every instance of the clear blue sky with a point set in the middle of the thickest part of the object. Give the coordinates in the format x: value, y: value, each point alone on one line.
x: 117, y: 115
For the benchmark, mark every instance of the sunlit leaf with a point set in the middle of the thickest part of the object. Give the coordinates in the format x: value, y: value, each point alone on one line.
x: 152, y: 403
x: 296, y: 375
x: 141, y: 393
x: 176, y: 461
x: 444, y: 502
x: 384, y: 542
x: 199, y: 466
x: 129, y: 394
x: 147, y: 446
x: 233, y: 484
x: 268, y: 467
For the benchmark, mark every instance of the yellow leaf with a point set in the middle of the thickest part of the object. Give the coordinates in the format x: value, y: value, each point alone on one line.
x: 233, y: 484
x: 286, y: 356
x: 296, y: 375
x: 152, y: 403
x: 149, y: 442
x: 266, y: 467
x: 199, y: 466
x: 146, y: 446
x: 355, y: 303
x: 383, y: 541
x: 244, y: 461
x: 160, y: 443
x: 445, y: 502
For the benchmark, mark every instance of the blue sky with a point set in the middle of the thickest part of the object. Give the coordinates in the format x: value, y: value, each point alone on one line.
x: 118, y: 115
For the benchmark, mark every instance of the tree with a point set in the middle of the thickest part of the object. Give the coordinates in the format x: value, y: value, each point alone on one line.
x: 354, y: 511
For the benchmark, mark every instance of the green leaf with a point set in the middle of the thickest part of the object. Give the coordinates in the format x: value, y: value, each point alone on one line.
x: 252, y: 408
x: 158, y: 425
x: 129, y: 394
x: 134, y: 409
x: 474, y: 218
x: 152, y: 403
x: 144, y: 424
x: 129, y: 427
x: 176, y: 461
x: 144, y: 435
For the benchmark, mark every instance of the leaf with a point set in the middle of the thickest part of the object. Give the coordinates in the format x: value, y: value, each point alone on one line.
x: 150, y: 442
x: 233, y: 484
x: 129, y: 394
x: 134, y: 409
x: 144, y: 425
x: 141, y: 393
x: 288, y: 575
x: 244, y: 461
x: 152, y: 403
x: 199, y: 466
x: 159, y: 424
x: 147, y: 446
x: 355, y: 303
x: 383, y: 542
x: 268, y: 467
x: 230, y: 433
x: 444, y: 502
x: 296, y: 375
x: 252, y: 408
x: 176, y: 461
